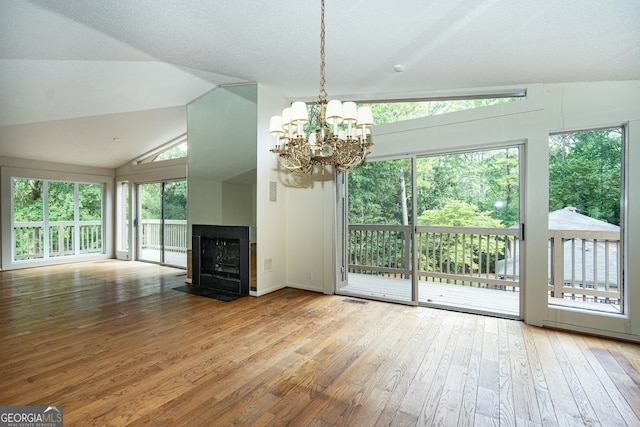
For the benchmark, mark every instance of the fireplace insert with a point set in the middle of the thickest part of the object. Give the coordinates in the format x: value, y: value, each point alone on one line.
x: 221, y: 258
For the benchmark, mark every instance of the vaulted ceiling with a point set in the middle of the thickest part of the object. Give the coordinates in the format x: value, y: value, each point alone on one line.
x: 75, y: 75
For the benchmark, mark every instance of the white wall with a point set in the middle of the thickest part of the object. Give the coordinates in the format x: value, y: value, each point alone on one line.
x: 272, y: 216
x: 296, y: 232
x: 311, y: 235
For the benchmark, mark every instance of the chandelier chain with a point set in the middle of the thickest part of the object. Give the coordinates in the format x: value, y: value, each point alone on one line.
x: 323, y: 92
x: 332, y: 135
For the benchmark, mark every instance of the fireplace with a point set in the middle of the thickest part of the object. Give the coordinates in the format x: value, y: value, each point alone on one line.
x: 221, y: 258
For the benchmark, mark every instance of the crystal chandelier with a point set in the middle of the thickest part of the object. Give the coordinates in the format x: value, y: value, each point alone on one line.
x: 338, y: 136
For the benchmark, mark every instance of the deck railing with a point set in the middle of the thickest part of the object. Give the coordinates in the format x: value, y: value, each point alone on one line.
x: 474, y: 256
x: 584, y: 265
x: 29, y: 238
x: 457, y: 255
x: 175, y: 234
x: 30, y: 243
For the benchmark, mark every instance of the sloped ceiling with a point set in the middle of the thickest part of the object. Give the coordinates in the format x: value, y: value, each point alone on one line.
x: 74, y: 75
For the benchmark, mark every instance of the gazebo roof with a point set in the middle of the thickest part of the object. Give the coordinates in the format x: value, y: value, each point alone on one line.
x: 569, y: 219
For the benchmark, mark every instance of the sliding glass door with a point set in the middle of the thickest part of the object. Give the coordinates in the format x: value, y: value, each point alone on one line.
x: 378, y: 232
x: 441, y: 230
x: 468, y: 231
x: 162, y: 223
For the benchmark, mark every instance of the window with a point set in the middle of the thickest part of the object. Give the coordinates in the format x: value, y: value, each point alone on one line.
x: 390, y: 112
x: 173, y: 153
x: 90, y: 217
x: 56, y: 219
x: 397, y: 111
x: 28, y: 219
x: 585, y: 195
x: 61, y: 211
x: 174, y: 149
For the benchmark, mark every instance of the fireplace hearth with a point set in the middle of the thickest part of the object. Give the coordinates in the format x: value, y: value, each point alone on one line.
x: 221, y: 258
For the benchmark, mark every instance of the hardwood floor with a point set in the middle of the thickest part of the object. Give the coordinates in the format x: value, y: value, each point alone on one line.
x: 113, y: 344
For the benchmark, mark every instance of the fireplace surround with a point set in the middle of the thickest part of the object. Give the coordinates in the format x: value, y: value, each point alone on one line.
x: 221, y: 258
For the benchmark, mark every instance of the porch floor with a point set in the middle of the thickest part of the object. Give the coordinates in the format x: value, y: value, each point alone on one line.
x: 174, y: 259
x: 485, y: 300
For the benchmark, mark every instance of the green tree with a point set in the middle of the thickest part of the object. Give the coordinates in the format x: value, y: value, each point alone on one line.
x: 375, y: 192
x: 90, y: 202
x: 459, y: 252
x: 585, y: 172
x: 28, y: 206
x: 151, y: 200
x: 61, y: 201
x: 27, y: 200
x: 456, y: 213
x: 176, y: 152
x: 175, y: 200
x: 487, y: 179
x: 377, y: 196
x: 390, y: 112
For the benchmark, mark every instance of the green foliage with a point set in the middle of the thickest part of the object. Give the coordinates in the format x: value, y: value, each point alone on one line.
x: 485, y: 179
x: 150, y: 200
x: 61, y: 201
x: 90, y: 201
x: 27, y: 200
x: 176, y: 152
x: 390, y: 112
x: 456, y: 213
x: 375, y: 192
x: 459, y: 253
x: 585, y: 172
x: 175, y: 200
x: 479, y: 189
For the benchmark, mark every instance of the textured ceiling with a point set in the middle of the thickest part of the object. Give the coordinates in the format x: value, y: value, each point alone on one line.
x: 65, y: 63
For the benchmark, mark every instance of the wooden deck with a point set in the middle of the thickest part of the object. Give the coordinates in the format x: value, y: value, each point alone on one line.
x: 115, y: 345
x: 466, y: 298
x: 176, y: 259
